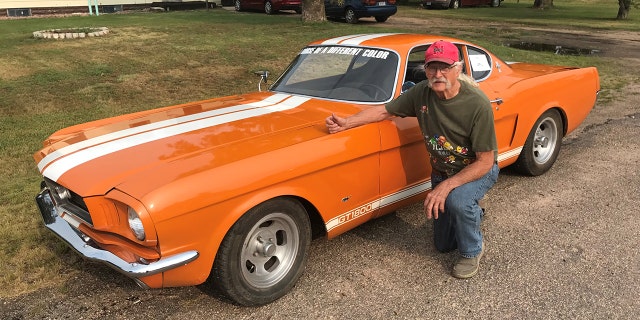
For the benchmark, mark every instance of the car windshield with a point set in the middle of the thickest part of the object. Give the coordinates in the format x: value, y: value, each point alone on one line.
x: 353, y: 74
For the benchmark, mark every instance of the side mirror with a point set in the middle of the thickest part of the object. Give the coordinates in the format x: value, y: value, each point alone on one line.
x: 263, y: 74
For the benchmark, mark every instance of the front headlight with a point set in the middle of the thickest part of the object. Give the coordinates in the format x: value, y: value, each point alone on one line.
x: 135, y: 224
x: 62, y: 192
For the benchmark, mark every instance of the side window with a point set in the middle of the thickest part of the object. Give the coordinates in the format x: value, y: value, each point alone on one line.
x: 415, y: 64
x: 460, y: 57
x: 480, y: 63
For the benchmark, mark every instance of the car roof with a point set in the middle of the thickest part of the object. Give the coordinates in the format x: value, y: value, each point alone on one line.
x: 395, y: 41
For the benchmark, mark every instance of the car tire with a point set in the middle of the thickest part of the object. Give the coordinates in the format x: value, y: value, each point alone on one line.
x: 350, y: 16
x: 454, y: 4
x: 268, y: 7
x: 381, y: 18
x: 495, y: 3
x: 264, y: 253
x: 542, y: 147
x: 237, y: 5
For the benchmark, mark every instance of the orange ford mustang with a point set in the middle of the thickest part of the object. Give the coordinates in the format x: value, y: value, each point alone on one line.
x: 234, y: 188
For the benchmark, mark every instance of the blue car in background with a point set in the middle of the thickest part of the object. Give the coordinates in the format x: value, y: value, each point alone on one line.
x: 352, y: 10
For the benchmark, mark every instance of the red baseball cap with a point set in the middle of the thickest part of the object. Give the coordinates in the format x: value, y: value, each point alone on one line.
x: 442, y: 51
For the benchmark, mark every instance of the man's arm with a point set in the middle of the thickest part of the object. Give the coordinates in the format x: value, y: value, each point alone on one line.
x: 436, y: 198
x: 369, y: 115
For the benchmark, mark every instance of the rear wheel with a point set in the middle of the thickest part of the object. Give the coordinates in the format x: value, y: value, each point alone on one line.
x: 454, y: 4
x: 264, y: 253
x: 268, y: 7
x: 495, y: 3
x: 542, y: 146
x: 350, y: 16
x: 381, y: 18
x: 238, y: 5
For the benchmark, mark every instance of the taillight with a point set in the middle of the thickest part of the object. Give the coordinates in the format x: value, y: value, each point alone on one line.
x: 391, y: 1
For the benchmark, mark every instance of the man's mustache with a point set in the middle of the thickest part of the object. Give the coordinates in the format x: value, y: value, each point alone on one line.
x: 439, y: 80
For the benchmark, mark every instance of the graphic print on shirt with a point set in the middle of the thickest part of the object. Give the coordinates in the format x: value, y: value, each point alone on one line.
x: 446, y: 150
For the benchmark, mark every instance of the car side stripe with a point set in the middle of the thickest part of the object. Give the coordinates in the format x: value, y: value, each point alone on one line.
x: 378, y: 203
x: 509, y: 154
x: 396, y: 197
x: 65, y: 163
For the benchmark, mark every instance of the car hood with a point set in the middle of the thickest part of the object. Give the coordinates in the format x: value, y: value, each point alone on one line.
x: 139, y: 152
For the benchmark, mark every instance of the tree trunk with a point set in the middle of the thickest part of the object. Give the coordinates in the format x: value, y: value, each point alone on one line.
x: 313, y: 11
x: 541, y: 4
x: 623, y: 10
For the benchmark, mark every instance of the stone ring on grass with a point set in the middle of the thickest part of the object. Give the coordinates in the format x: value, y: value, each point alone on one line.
x: 71, y: 33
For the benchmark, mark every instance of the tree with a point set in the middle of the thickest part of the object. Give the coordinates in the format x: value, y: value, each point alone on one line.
x: 541, y: 4
x: 313, y: 11
x: 623, y: 10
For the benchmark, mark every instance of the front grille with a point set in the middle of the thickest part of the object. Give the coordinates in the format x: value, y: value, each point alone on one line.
x: 72, y: 204
x: 77, y: 200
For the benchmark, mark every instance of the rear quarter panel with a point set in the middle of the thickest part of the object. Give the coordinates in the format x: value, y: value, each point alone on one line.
x: 530, y: 90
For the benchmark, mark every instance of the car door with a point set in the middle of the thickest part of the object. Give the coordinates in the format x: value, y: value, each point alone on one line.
x: 255, y: 4
x: 404, y: 163
x: 486, y: 70
x: 333, y: 8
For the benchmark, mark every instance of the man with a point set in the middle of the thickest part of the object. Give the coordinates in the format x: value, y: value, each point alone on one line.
x: 456, y: 120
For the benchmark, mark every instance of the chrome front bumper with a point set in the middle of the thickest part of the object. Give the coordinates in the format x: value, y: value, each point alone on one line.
x: 64, y: 231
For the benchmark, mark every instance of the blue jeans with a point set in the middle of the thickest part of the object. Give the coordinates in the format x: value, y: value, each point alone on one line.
x: 458, y: 227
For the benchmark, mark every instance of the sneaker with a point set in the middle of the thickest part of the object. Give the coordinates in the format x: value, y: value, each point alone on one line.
x: 467, y: 267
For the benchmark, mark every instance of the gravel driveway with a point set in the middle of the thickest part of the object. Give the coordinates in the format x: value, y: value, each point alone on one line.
x: 565, y: 245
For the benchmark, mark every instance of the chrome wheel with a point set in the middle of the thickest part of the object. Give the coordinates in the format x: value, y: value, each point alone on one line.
x: 541, y: 149
x: 350, y: 16
x: 270, y: 250
x: 545, y: 140
x: 238, y: 5
x: 268, y: 7
x: 264, y: 253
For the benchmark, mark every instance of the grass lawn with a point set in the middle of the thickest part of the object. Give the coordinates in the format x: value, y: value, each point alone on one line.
x: 151, y: 60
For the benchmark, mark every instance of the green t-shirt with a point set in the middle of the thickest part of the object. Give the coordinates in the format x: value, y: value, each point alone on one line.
x: 453, y: 129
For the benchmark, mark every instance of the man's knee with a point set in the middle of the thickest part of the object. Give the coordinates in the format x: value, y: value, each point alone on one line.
x: 459, y: 203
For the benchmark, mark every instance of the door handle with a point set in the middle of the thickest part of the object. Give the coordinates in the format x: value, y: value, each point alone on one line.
x: 498, y: 102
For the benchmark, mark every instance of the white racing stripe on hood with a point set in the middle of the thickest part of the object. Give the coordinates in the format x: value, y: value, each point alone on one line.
x: 65, y: 163
x: 355, y: 39
x: 276, y: 98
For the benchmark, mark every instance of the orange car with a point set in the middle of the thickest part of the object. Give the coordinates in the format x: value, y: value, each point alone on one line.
x: 234, y: 188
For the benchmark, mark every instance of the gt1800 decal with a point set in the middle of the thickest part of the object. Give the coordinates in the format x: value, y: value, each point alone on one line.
x: 353, y: 214
x: 398, y: 196
x: 379, y: 203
